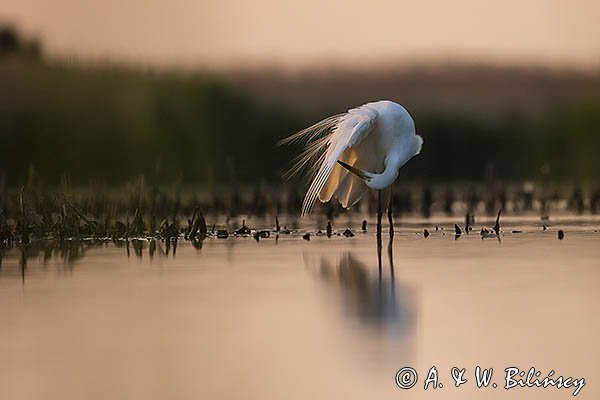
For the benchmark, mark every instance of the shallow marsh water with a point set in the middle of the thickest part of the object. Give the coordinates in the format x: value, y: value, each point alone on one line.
x: 304, y: 319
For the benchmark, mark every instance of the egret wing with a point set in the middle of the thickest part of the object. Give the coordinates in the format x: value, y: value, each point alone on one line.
x: 347, y: 187
x: 345, y: 139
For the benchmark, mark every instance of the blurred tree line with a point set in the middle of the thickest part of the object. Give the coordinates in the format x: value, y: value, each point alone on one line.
x: 110, y: 123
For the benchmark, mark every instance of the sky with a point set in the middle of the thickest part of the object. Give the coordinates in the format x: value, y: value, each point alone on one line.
x: 296, y: 34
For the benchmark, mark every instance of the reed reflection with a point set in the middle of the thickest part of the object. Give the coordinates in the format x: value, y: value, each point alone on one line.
x: 66, y: 252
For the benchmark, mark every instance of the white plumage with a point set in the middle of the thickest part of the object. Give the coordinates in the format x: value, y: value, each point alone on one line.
x: 347, y: 154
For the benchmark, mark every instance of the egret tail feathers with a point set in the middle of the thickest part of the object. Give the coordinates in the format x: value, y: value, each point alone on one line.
x: 315, y: 139
x: 325, y: 142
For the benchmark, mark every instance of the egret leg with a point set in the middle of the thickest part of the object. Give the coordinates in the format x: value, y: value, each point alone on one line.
x: 379, y: 268
x: 391, y: 241
x: 391, y: 256
x: 379, y: 236
x: 390, y: 212
x: 379, y: 215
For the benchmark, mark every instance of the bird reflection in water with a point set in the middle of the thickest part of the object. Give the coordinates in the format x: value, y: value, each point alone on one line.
x: 377, y: 301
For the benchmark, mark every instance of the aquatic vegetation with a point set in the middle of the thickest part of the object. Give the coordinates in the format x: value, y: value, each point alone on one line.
x: 348, y: 233
x: 171, y: 213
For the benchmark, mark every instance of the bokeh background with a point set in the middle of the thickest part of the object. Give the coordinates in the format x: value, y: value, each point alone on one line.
x: 200, y: 91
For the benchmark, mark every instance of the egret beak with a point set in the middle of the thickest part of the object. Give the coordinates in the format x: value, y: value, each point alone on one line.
x: 356, y: 171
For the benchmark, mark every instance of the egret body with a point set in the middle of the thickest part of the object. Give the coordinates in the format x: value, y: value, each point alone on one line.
x: 348, y: 154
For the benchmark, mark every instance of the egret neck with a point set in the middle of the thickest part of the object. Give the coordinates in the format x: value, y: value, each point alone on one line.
x: 384, y: 179
x: 389, y: 174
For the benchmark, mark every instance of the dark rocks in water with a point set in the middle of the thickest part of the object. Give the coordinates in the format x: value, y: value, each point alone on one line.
x: 264, y: 234
x: 497, y: 224
x: 285, y: 231
x: 244, y: 230
x: 561, y: 234
x: 488, y: 234
x: 457, y: 230
x: 306, y: 236
x: 425, y: 232
x: 329, y: 229
x: 364, y: 225
x: 544, y: 227
x: 516, y: 231
x: 348, y: 233
x: 197, y: 244
x: 222, y: 234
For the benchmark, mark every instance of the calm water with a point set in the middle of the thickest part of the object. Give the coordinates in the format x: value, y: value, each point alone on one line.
x: 296, y: 319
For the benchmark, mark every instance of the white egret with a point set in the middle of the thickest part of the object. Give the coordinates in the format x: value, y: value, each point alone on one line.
x: 348, y: 153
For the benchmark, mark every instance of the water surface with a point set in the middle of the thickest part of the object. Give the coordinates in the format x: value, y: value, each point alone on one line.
x: 290, y: 318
